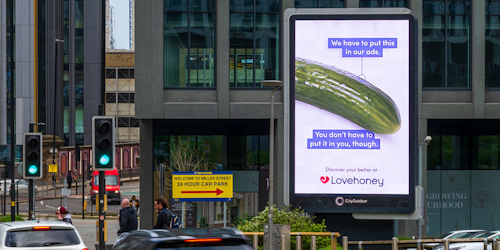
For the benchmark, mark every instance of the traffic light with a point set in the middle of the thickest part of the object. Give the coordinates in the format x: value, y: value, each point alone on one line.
x: 32, y: 156
x: 103, y: 143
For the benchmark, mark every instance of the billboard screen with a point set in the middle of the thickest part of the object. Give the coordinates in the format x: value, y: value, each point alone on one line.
x: 353, y: 113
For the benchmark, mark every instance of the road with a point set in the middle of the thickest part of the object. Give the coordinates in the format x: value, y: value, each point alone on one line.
x: 47, y: 204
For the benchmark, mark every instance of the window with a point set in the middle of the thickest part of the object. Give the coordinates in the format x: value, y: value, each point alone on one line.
x: 254, y: 42
x: 445, y: 42
x: 492, y: 68
x: 188, y: 44
x: 319, y: 3
x: 383, y: 3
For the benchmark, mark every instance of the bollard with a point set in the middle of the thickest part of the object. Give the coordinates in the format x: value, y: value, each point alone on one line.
x: 360, y: 245
x: 333, y: 242
x: 394, y: 243
x: 283, y: 242
x: 298, y: 239
x: 446, y: 244
x: 255, y: 242
x: 313, y: 242
x: 419, y: 244
x: 344, y: 243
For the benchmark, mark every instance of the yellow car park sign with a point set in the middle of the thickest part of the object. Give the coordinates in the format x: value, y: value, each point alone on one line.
x: 202, y: 186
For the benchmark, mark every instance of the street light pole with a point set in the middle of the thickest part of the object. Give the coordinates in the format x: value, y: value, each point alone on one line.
x: 426, y: 142
x: 276, y: 84
x: 55, y: 104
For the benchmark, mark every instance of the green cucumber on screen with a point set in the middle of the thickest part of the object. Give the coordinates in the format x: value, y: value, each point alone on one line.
x: 343, y: 93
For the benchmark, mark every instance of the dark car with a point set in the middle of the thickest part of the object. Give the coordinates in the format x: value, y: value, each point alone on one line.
x: 199, y: 238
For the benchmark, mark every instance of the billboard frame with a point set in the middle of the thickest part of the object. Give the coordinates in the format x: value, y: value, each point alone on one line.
x: 326, y: 203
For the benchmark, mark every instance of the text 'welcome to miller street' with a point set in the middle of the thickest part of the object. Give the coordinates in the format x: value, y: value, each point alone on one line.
x: 203, y: 181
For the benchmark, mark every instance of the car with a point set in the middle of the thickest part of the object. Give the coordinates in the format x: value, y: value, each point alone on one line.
x: 43, y: 235
x: 454, y: 235
x: 112, y: 186
x: 473, y: 245
x: 21, y: 185
x: 190, y: 238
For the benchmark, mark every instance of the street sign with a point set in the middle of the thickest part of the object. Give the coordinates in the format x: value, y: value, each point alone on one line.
x: 105, y: 208
x: 52, y: 168
x: 66, y: 192
x: 202, y: 186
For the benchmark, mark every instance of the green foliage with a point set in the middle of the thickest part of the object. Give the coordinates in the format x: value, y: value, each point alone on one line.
x: 241, y: 220
x: 6, y: 218
x: 203, y: 222
x: 298, y: 221
x: 404, y: 238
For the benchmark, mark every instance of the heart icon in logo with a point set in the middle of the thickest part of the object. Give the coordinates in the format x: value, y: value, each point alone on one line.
x: 324, y: 179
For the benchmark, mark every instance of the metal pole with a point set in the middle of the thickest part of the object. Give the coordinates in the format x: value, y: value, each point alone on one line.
x: 419, y: 227
x: 4, y: 184
x: 17, y: 198
x: 12, y: 136
x: 101, y: 210
x: 31, y: 202
x: 65, y: 187
x: 224, y: 213
x: 271, y: 171
x: 83, y: 190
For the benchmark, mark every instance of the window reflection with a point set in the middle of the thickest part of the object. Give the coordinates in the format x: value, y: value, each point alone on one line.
x: 320, y: 3
x: 492, y: 48
x: 188, y: 43
x: 383, y: 3
x: 445, y: 38
x: 254, y: 43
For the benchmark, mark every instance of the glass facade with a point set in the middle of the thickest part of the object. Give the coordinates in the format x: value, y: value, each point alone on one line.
x: 188, y: 44
x: 492, y: 49
x: 254, y: 42
x: 319, y: 3
x: 445, y: 43
x: 383, y: 3
x: 220, y: 152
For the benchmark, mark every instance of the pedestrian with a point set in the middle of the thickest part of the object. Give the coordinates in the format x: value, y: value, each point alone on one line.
x: 60, y: 213
x: 54, y: 180
x: 128, y: 218
x: 134, y: 203
x: 164, y: 215
x: 67, y: 217
x: 69, y: 179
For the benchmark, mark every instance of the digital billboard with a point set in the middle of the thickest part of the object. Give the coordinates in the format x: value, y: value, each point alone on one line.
x: 353, y: 113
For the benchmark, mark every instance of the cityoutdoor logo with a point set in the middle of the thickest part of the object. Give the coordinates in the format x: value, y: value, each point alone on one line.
x: 340, y: 201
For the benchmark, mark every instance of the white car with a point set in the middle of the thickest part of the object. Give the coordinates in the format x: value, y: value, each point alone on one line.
x: 451, y: 235
x: 21, y: 185
x: 473, y: 245
x: 43, y: 235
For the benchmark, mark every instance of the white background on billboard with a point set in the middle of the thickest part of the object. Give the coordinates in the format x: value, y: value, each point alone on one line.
x: 389, y: 73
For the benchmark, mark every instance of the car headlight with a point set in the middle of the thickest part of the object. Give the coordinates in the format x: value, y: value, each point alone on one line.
x: 96, y: 191
x: 116, y: 191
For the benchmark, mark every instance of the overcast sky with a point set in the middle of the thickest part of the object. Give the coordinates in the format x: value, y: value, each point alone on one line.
x: 121, y: 28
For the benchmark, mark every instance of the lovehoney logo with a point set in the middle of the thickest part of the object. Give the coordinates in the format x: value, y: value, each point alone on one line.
x: 355, y: 181
x: 339, y: 201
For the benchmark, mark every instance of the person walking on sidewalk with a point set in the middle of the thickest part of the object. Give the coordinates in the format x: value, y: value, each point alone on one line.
x: 69, y: 179
x: 128, y: 218
x: 134, y: 203
x: 164, y: 216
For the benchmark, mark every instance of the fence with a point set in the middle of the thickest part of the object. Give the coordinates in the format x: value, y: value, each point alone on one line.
x: 298, y: 237
x: 398, y: 244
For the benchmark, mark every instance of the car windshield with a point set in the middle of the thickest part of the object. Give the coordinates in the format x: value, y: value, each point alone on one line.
x: 483, y: 235
x: 467, y: 235
x: 60, y: 237
x: 108, y: 179
x: 444, y: 236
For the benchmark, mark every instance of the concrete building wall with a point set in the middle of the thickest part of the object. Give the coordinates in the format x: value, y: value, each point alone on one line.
x: 3, y: 72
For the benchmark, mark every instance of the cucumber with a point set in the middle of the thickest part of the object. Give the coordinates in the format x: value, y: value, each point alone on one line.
x: 340, y: 92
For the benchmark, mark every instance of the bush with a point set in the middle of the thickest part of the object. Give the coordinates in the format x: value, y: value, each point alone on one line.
x: 6, y: 218
x: 298, y: 220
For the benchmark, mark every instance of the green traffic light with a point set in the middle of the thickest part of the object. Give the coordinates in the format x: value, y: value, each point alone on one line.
x: 32, y: 169
x: 104, y: 160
